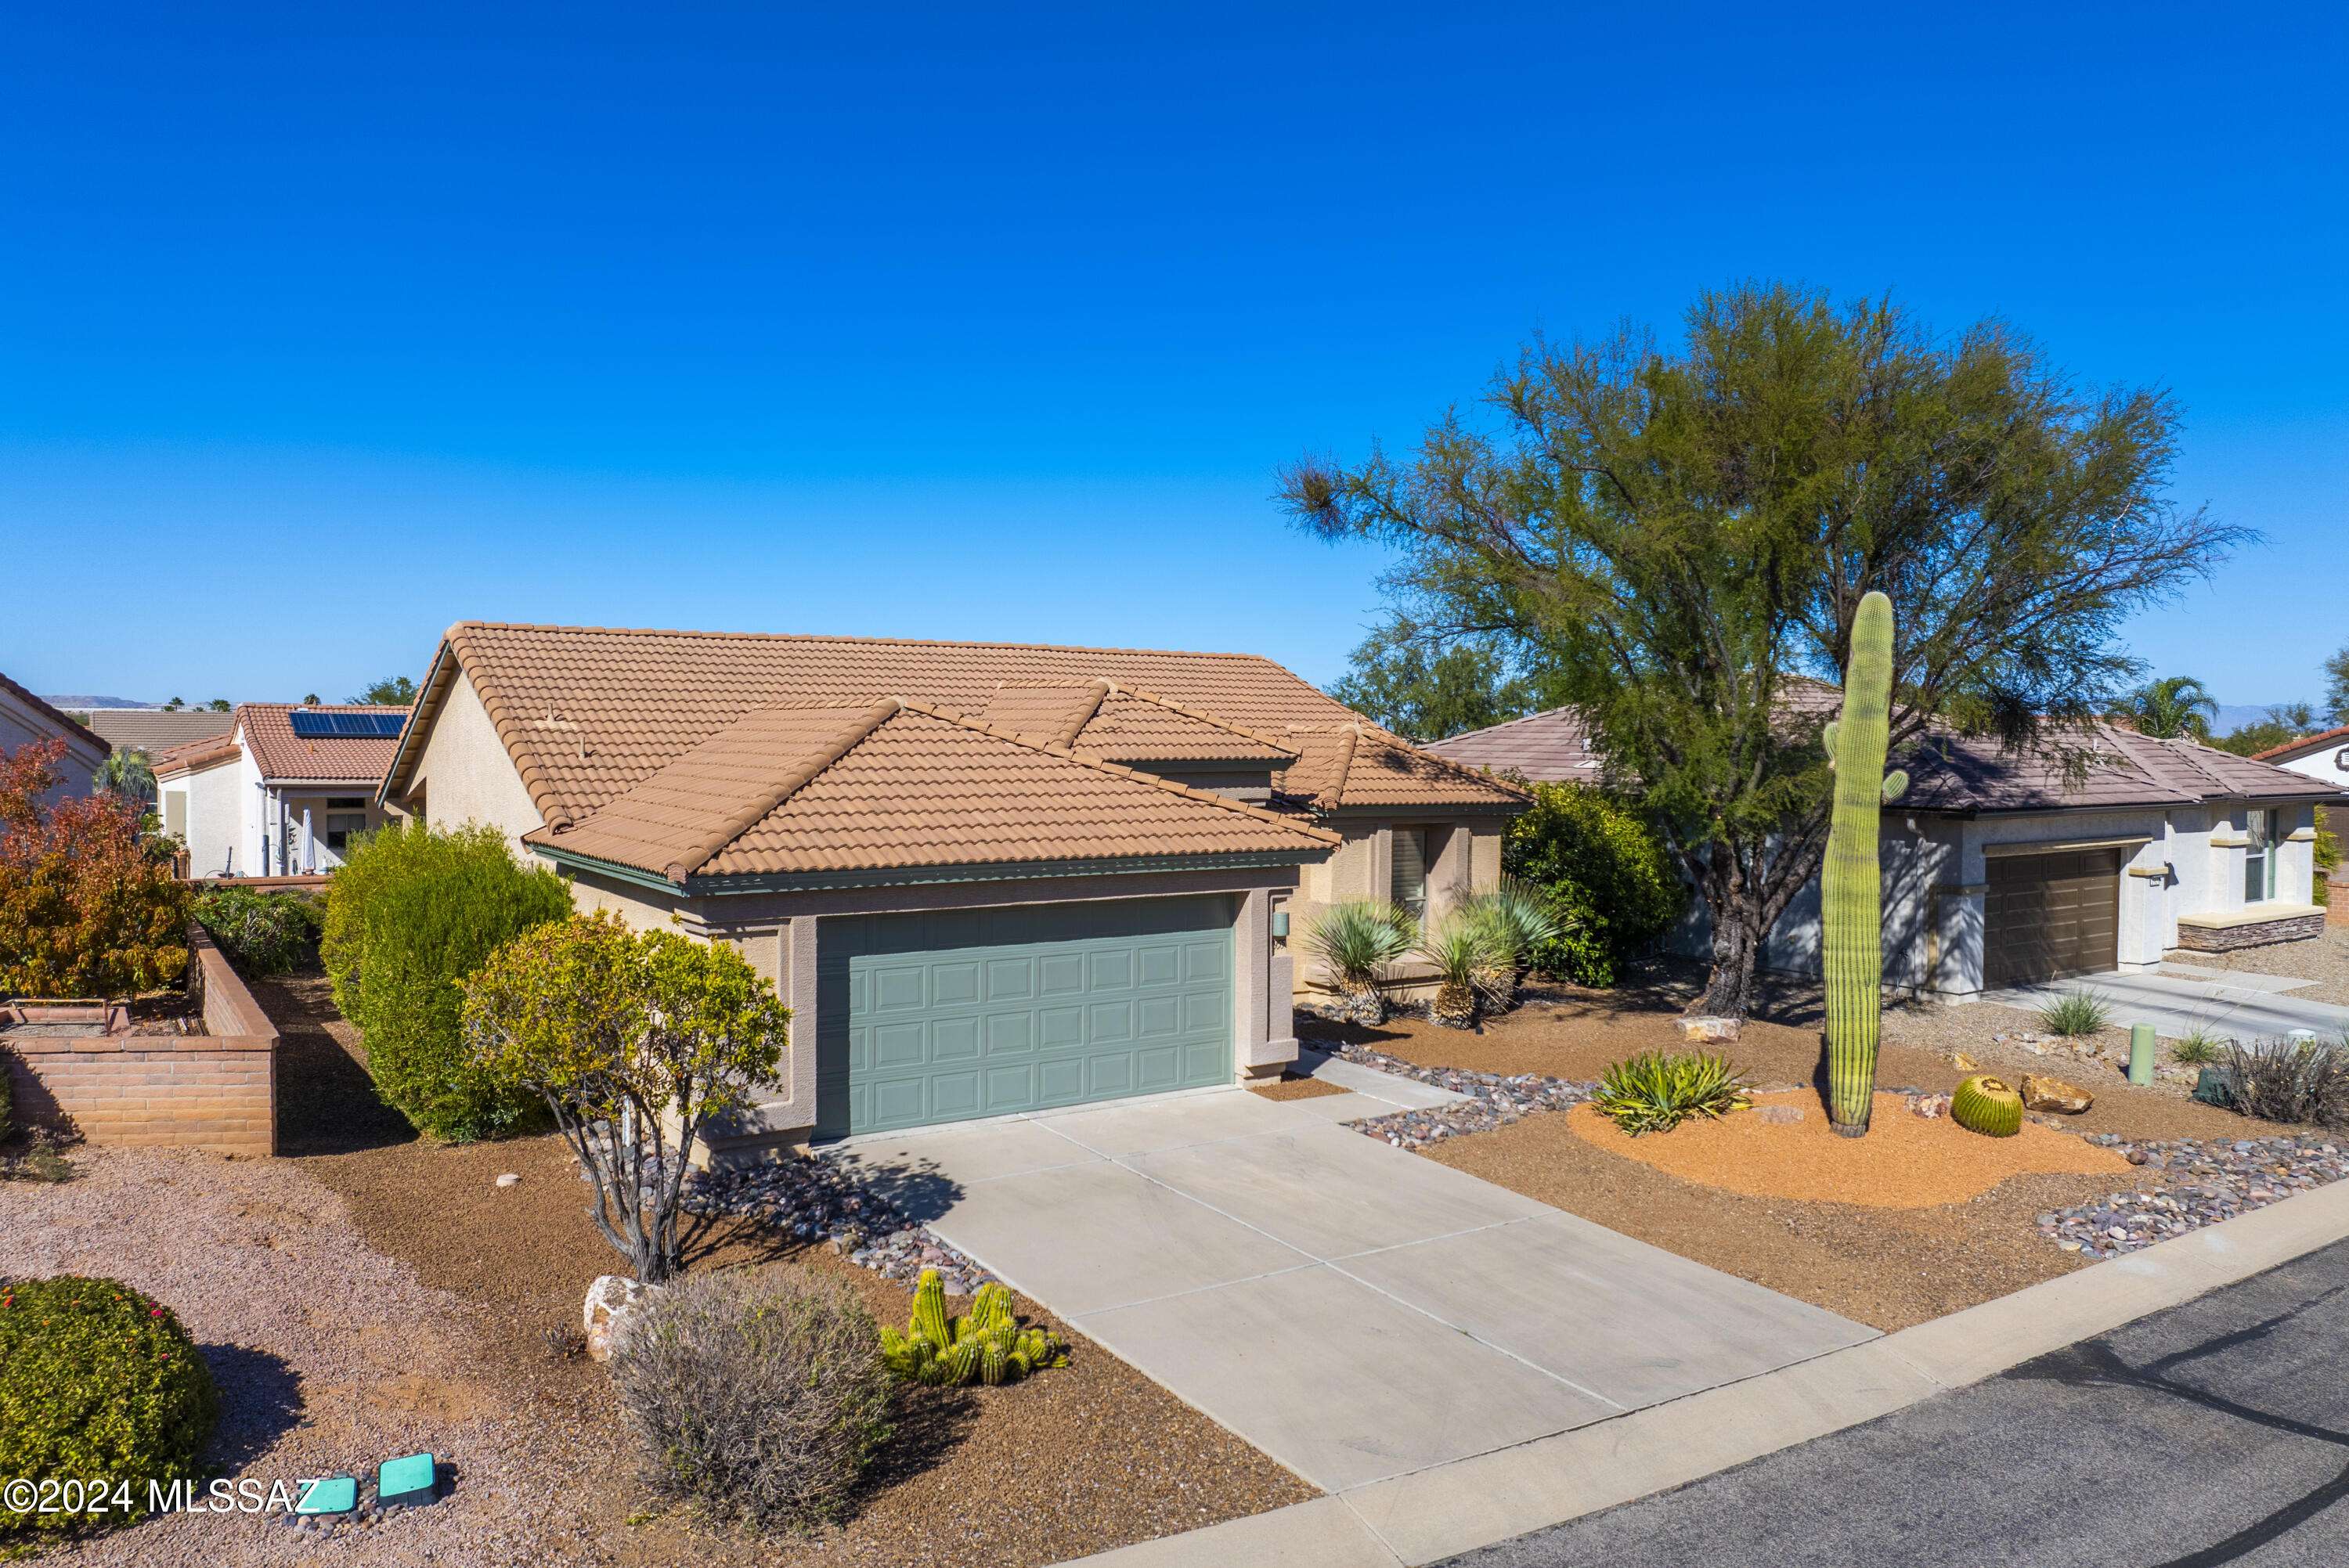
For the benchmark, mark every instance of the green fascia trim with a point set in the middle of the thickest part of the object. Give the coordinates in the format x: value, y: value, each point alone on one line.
x: 927, y: 876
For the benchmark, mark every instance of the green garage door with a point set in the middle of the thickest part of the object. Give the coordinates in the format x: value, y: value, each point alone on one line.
x: 968, y: 1013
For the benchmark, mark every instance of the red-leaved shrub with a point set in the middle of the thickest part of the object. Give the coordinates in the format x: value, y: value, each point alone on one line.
x: 84, y: 910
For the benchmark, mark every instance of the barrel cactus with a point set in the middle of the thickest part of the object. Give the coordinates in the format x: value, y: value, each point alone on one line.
x: 985, y: 1345
x: 1852, y: 934
x: 1986, y: 1105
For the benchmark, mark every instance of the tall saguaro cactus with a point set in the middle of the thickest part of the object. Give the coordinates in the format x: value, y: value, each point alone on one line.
x: 1852, y: 881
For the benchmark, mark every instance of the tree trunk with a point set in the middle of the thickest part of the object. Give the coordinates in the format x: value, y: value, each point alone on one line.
x: 1729, y: 988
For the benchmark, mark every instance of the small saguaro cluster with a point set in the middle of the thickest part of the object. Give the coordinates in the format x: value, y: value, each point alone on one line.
x: 1852, y: 886
x: 985, y: 1344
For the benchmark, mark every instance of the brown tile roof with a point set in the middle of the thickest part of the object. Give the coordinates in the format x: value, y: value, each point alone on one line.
x: 2291, y: 751
x: 279, y: 753
x: 588, y: 713
x: 1127, y: 726
x: 1949, y: 772
x: 157, y: 731
x: 892, y: 785
x: 1360, y: 768
x: 72, y: 727
x: 195, y: 755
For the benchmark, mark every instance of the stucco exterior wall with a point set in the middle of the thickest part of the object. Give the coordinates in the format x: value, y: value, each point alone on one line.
x: 215, y: 827
x: 465, y: 774
x: 1464, y: 859
x: 22, y: 725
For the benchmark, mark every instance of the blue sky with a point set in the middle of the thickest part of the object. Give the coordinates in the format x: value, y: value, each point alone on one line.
x: 990, y: 322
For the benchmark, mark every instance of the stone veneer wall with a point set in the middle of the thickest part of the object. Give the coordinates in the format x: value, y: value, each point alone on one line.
x: 216, y: 1090
x: 2259, y: 933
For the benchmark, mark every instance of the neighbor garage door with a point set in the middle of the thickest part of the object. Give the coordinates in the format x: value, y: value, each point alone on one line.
x: 2051, y: 915
x: 941, y: 1017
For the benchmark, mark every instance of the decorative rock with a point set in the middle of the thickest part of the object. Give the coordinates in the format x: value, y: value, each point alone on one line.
x: 1779, y: 1115
x: 1494, y: 1100
x: 2052, y: 1094
x: 509, y: 1180
x: 2202, y: 1183
x: 1929, y: 1106
x: 1704, y: 1031
x: 1963, y: 1062
x: 613, y: 1302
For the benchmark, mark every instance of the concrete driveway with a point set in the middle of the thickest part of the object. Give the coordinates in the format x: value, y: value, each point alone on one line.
x: 1355, y: 1312
x: 2178, y: 998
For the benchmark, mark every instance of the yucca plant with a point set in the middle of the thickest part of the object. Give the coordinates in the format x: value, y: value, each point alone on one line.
x: 1357, y: 942
x: 1465, y: 953
x: 1655, y: 1091
x: 1519, y: 921
x: 2074, y: 1014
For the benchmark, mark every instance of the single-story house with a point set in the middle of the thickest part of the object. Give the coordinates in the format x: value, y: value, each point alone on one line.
x: 2324, y: 756
x: 152, y: 731
x: 26, y: 719
x: 1999, y: 870
x: 986, y: 877
x: 283, y: 792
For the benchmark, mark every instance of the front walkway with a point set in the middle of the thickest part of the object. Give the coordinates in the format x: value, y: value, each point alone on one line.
x: 2178, y: 998
x: 1355, y: 1312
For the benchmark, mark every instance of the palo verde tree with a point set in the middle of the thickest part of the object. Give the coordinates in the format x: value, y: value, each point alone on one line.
x: 635, y: 1042
x: 1679, y: 538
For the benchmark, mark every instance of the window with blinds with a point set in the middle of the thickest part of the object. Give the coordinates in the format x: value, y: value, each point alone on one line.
x: 1409, y: 880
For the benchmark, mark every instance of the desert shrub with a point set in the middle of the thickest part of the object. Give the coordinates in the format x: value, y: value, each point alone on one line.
x: 1518, y: 922
x: 1469, y: 957
x: 98, y: 1383
x: 2290, y: 1080
x: 1604, y: 872
x: 1656, y: 1091
x: 755, y: 1399
x: 985, y: 1344
x: 263, y: 932
x: 1357, y: 942
x: 2199, y: 1047
x: 410, y: 914
x: 2074, y: 1014
x: 84, y: 910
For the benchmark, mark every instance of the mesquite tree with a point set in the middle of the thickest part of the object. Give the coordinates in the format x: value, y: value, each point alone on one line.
x: 1852, y: 880
x: 1672, y: 539
x: 635, y: 1042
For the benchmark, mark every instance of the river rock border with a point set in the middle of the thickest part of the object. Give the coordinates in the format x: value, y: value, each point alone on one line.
x: 2208, y: 1180
x: 1493, y: 1099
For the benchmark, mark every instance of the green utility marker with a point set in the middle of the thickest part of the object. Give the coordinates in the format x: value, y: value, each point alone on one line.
x: 330, y: 1494
x: 2140, y: 1054
x: 406, y: 1482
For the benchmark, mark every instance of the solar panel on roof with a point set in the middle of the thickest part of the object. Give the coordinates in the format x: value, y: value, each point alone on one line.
x: 346, y: 726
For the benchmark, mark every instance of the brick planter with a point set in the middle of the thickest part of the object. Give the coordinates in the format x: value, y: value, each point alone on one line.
x: 216, y: 1090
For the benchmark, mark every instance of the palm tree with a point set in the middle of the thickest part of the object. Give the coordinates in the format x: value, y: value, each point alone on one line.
x: 127, y: 774
x: 2175, y: 707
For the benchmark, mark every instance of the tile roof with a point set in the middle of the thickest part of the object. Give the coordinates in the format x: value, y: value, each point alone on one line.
x: 195, y: 756
x: 2291, y: 751
x: 279, y: 753
x: 155, y: 730
x: 892, y: 785
x: 1127, y: 726
x: 1361, y: 768
x: 588, y: 713
x: 68, y: 725
x: 1949, y: 772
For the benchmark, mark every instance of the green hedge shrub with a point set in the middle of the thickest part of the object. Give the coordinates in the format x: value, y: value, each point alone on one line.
x: 1606, y: 873
x: 413, y: 911
x: 263, y: 932
x: 98, y: 1383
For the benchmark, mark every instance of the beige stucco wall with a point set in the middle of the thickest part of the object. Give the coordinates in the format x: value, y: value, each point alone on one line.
x: 22, y: 725
x: 1464, y: 859
x: 465, y: 774
x: 215, y: 819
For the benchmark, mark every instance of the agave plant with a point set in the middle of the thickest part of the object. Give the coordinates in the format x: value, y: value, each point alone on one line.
x: 1655, y: 1092
x: 1519, y: 922
x: 1467, y: 953
x: 1357, y: 942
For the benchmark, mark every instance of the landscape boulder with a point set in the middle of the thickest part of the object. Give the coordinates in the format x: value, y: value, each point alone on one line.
x: 614, y: 1301
x: 2042, y: 1093
x: 1705, y: 1031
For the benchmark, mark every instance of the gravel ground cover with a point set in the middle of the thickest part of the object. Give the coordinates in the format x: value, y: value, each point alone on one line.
x: 2193, y: 1182
x: 2324, y: 959
x: 1494, y: 1100
x: 1290, y: 1086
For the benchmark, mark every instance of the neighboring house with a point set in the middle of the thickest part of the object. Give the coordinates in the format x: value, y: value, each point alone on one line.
x: 1999, y: 869
x: 987, y: 878
x: 284, y: 792
x: 2324, y: 757
x: 26, y: 719
x: 155, y: 730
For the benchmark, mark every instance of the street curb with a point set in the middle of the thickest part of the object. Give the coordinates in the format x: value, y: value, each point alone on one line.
x: 1410, y: 1520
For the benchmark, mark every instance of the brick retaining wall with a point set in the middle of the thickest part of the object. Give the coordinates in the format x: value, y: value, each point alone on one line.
x: 217, y: 1090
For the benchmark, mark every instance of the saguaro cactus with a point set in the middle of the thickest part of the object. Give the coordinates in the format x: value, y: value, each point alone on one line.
x: 1852, y: 882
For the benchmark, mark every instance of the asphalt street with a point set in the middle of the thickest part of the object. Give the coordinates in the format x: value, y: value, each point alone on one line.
x: 2217, y: 1432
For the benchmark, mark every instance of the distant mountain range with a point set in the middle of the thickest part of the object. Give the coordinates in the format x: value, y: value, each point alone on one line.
x: 2232, y: 717
x: 88, y: 701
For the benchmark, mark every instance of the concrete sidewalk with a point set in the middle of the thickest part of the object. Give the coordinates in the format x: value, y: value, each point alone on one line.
x: 1356, y: 1313
x: 2178, y: 999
